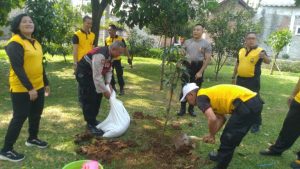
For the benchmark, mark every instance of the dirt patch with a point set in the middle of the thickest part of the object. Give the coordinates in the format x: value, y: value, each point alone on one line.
x: 140, y: 115
x: 83, y: 137
x: 151, y: 147
x: 105, y: 150
x: 176, y: 126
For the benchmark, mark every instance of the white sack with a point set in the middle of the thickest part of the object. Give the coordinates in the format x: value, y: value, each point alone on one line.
x: 118, y: 119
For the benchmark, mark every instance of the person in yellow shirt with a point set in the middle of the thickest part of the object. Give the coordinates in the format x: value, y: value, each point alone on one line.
x: 28, y: 86
x: 83, y: 41
x: 290, y: 130
x: 215, y: 102
x: 112, y: 30
x: 247, y: 70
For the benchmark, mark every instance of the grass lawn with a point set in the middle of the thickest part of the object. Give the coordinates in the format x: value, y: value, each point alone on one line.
x: 62, y: 117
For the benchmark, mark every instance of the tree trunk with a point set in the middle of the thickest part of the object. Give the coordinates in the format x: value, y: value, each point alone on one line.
x: 162, y: 72
x: 97, y: 12
x: 173, y: 82
x: 274, y: 64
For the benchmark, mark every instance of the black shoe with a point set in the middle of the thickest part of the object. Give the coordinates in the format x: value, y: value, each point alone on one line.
x: 193, y: 114
x: 122, y: 92
x: 213, y: 156
x: 11, y: 156
x: 255, y: 128
x: 268, y: 152
x: 95, y: 131
x: 36, y: 142
x: 181, y: 112
x: 191, y: 111
x: 182, y: 109
x: 98, y: 122
x: 295, y: 164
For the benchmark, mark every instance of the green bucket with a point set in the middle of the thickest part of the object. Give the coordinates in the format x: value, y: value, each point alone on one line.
x: 78, y: 165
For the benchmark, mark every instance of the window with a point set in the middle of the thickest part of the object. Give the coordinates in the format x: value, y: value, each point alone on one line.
x: 297, y: 32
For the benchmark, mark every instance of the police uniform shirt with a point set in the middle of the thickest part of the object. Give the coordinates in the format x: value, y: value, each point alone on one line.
x: 221, y: 97
x: 249, y: 62
x: 297, y: 97
x: 109, y: 40
x: 196, y: 49
x: 85, y: 42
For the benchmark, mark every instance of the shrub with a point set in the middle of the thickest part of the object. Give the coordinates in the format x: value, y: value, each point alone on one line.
x: 140, y: 43
x: 285, y: 56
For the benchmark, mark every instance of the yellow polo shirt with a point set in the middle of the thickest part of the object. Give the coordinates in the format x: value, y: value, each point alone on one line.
x: 33, y: 65
x: 222, y: 96
x: 247, y: 62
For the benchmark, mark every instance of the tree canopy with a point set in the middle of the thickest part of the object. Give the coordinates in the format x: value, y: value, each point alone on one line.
x: 6, y: 7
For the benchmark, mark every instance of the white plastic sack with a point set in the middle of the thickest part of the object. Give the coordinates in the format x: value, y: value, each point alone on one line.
x: 118, y: 119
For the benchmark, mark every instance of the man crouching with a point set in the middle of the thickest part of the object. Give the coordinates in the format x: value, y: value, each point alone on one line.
x: 217, y: 101
x: 93, y: 73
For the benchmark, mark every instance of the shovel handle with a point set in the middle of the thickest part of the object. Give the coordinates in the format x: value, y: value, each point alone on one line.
x: 195, y: 138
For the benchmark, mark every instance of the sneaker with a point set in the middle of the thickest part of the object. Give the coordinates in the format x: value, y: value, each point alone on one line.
x: 295, y: 164
x: 94, y: 130
x: 268, y: 152
x: 213, y: 156
x: 11, y: 156
x: 255, y: 128
x: 36, y: 142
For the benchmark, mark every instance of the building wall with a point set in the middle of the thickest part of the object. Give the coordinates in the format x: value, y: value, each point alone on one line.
x: 275, y: 18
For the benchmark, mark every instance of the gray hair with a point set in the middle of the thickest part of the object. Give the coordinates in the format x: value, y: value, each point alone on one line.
x: 117, y: 44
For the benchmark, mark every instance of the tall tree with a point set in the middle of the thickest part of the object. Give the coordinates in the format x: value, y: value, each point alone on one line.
x: 98, y: 7
x: 6, y: 7
x: 54, y: 22
x: 227, y: 30
x: 163, y: 17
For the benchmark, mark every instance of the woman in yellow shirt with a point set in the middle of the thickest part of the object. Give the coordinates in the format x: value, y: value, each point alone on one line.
x: 28, y: 86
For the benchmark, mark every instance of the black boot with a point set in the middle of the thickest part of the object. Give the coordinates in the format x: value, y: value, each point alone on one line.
x: 191, y: 111
x: 182, y: 109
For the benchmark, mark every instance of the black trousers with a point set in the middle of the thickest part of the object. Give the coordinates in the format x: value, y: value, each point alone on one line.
x: 119, y: 71
x: 290, y: 130
x: 23, y: 108
x: 89, y: 99
x: 236, y: 128
x: 254, y: 85
x: 188, y: 76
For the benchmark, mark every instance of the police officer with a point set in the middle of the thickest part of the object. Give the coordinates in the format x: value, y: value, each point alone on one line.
x: 93, y: 73
x: 290, y: 130
x: 83, y: 41
x: 112, y: 30
x: 215, y: 102
x: 247, y: 70
x: 198, y: 53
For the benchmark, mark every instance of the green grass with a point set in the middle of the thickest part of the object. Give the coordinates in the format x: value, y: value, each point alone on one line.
x: 62, y: 117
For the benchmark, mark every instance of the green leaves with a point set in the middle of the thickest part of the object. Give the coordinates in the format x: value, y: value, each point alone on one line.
x: 227, y: 30
x: 162, y: 17
x: 6, y: 7
x: 279, y: 39
x: 54, y: 21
